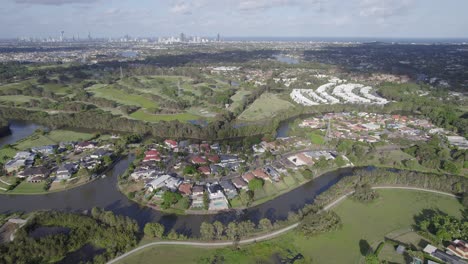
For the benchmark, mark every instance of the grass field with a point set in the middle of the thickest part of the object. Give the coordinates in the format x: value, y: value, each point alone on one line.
x: 316, y: 138
x: 123, y: 97
x: 394, y: 210
x: 28, y: 188
x: 53, y: 137
x: 267, y: 106
x: 237, y: 98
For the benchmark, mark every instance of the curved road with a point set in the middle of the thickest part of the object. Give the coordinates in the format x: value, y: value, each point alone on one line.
x: 266, y: 236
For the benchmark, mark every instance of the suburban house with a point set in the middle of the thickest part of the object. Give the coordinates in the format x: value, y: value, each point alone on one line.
x: 170, y: 143
x: 239, y: 183
x: 214, y: 158
x: 100, y: 153
x: 229, y: 189
x: 186, y: 188
x: 21, y: 159
x: 34, y: 174
x: 259, y: 173
x: 45, y: 150
x: 143, y: 174
x: 459, y: 248
x: 65, y: 171
x: 217, y: 199
x: 197, y: 196
x: 274, y: 174
x: 152, y: 155
x: 198, y: 160
x: 205, y: 170
x: 85, y: 145
x: 167, y: 181
x: 441, y: 255
x: 248, y: 176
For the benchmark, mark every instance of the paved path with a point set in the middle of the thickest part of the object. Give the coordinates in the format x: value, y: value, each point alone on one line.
x: 266, y: 236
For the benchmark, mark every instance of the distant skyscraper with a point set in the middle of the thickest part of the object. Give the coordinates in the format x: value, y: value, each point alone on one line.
x: 218, y: 38
x: 182, y: 37
x: 61, y: 35
x: 89, y: 36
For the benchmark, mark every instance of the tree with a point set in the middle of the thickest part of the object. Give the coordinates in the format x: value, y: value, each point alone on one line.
x: 314, y: 224
x: 184, y: 202
x: 255, y: 184
x: 340, y: 161
x: 245, y: 228
x: 107, y: 160
x: 207, y: 231
x: 232, y: 231
x: 364, y: 193
x: 247, y: 197
x: 265, y: 224
x: 465, y: 200
x: 206, y: 200
x: 372, y: 259
x: 219, y: 229
x: 169, y: 198
x: 154, y: 230
x: 451, y: 167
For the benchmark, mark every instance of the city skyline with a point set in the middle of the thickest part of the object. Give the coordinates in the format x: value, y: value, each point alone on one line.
x: 288, y: 18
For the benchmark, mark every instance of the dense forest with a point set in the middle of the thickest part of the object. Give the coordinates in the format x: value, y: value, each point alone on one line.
x: 103, y: 230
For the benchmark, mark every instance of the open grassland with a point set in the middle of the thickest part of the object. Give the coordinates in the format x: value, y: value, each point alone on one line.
x: 28, y: 188
x: 237, y: 98
x: 53, y: 137
x: 265, y: 107
x: 123, y: 97
x: 394, y: 210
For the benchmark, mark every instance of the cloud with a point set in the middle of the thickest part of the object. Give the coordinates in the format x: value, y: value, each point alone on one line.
x: 265, y: 4
x: 384, y: 8
x: 182, y: 8
x: 53, y: 2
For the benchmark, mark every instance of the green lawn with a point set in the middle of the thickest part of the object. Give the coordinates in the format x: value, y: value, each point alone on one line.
x: 28, y: 188
x: 316, y: 138
x: 183, y: 117
x: 394, y: 210
x: 123, y: 97
x: 267, y: 106
x: 237, y: 98
x: 53, y: 137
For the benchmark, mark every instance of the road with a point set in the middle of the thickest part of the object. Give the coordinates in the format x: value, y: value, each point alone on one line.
x: 269, y: 235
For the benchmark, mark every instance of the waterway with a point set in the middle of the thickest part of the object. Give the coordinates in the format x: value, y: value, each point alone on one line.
x: 104, y: 193
x: 286, y: 59
x: 19, y: 130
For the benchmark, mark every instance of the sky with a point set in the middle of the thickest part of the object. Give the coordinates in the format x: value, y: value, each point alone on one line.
x: 262, y: 18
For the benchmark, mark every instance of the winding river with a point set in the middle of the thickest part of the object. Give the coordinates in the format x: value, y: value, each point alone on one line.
x: 104, y: 193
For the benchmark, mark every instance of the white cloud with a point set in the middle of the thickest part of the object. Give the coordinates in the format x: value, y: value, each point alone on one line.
x: 384, y: 8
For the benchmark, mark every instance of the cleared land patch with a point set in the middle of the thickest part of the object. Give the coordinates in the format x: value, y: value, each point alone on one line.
x: 267, y: 106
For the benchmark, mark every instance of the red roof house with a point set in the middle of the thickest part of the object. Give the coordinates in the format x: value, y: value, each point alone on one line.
x: 214, y: 158
x: 198, y: 160
x: 248, y: 176
x: 171, y: 143
x: 205, y: 170
x: 185, y: 188
x: 259, y: 173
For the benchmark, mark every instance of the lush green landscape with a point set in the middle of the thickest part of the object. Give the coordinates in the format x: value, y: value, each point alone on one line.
x: 393, y: 210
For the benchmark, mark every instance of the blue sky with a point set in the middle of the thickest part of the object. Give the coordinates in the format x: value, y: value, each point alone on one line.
x: 307, y: 18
